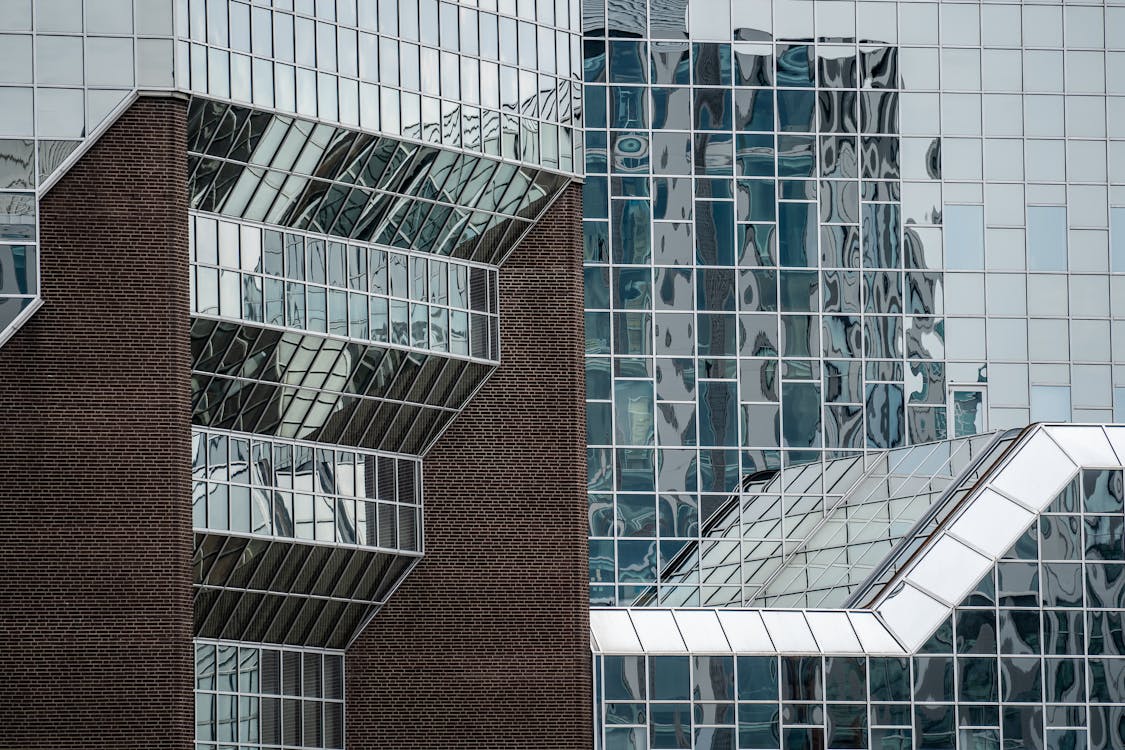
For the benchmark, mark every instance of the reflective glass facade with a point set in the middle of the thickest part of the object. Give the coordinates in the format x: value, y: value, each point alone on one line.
x: 838, y: 256
x: 65, y: 67
x: 261, y: 697
x: 493, y: 77
x: 996, y: 631
x: 358, y: 171
x: 816, y: 230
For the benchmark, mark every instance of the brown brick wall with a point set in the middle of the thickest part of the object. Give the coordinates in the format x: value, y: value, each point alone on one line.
x: 95, y: 517
x: 486, y: 644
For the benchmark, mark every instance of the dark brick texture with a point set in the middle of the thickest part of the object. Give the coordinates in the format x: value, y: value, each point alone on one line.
x: 486, y: 644
x: 95, y: 517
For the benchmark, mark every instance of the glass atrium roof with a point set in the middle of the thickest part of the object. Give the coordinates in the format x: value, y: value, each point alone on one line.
x: 942, y: 515
x: 807, y: 536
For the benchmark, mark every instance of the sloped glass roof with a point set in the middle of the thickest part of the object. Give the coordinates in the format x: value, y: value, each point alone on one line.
x: 807, y: 536
x: 903, y: 488
x: 1002, y: 484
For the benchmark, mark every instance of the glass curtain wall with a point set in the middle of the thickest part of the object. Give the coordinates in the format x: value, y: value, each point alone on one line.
x: 819, y: 229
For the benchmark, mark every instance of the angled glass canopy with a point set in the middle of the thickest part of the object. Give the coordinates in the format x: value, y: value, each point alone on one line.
x: 289, y: 172
x: 806, y: 536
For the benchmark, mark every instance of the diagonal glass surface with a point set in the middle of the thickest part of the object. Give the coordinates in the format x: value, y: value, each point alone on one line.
x: 294, y: 173
x: 807, y: 536
x: 904, y: 487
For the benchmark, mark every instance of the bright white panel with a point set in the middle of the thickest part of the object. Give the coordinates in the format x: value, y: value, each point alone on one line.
x: 873, y: 634
x: 949, y: 569
x: 1116, y: 437
x: 991, y: 523
x: 789, y: 632
x: 745, y: 631
x: 911, y: 615
x: 1087, y: 445
x: 1036, y: 472
x: 833, y: 632
x: 613, y: 631
x: 701, y: 631
x: 658, y: 631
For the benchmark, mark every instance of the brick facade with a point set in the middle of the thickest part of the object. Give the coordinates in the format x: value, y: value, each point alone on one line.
x: 486, y: 644
x: 95, y: 516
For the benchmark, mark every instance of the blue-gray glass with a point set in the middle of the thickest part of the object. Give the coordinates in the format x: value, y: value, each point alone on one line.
x: 981, y: 675
x: 869, y: 221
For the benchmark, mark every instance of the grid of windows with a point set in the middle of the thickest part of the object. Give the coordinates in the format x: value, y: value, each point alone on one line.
x: 249, y: 485
x: 821, y: 227
x: 325, y: 390
x: 1032, y: 657
x: 254, y: 697
x: 65, y: 65
x: 276, y: 169
x: 494, y: 78
x: 812, y: 539
x: 318, y: 284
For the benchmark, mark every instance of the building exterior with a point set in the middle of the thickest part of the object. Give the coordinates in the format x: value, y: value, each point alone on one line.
x: 256, y: 258
x: 819, y: 229
x: 307, y: 305
x: 839, y: 256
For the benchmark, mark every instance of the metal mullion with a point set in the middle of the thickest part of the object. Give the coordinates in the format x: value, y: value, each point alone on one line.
x: 368, y: 559
x: 204, y: 148
x: 260, y: 560
x: 306, y: 603
x: 225, y: 628
x: 272, y: 403
x: 350, y: 213
x: 332, y: 163
x: 328, y: 621
x: 261, y: 203
x: 298, y: 387
x: 267, y: 594
x: 484, y: 177
x: 381, y: 147
x: 364, y: 398
x: 303, y: 205
x: 322, y: 395
x: 451, y: 232
x: 205, y: 568
x: 371, y: 216
x: 231, y: 542
x: 384, y: 399
x: 399, y: 205
x: 424, y: 404
x: 284, y: 596
x: 222, y: 597
x: 215, y: 354
x: 356, y: 158
x: 405, y: 173
x: 409, y: 225
x: 254, y: 408
x: 387, y: 426
x: 438, y: 164
x: 330, y: 209
x: 294, y: 549
x: 331, y: 393
x: 226, y: 135
x: 213, y: 597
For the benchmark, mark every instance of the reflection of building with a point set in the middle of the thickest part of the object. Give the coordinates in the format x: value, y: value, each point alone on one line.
x: 253, y: 258
x: 289, y: 301
x: 838, y: 256
x: 816, y: 230
x: 990, y: 622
